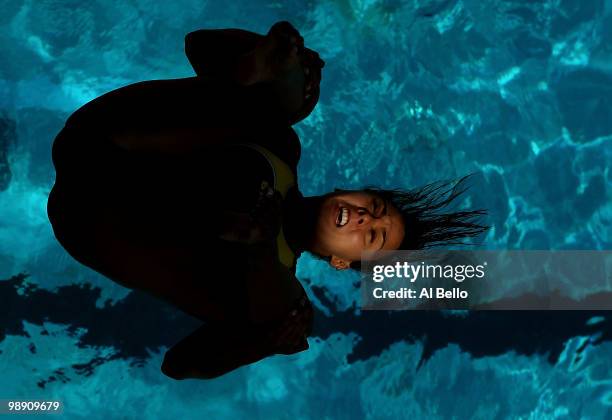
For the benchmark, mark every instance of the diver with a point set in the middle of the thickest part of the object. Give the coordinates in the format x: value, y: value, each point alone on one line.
x: 187, y: 189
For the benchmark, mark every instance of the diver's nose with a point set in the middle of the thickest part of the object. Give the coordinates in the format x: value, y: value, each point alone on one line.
x: 363, y: 218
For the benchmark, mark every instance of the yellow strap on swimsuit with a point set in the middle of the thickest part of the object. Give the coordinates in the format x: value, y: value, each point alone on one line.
x: 284, y: 179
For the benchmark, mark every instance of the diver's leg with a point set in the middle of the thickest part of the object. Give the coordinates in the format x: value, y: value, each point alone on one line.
x: 178, y: 116
x: 152, y: 106
x: 94, y: 224
x: 195, y: 279
x: 138, y: 220
x: 218, y: 348
x: 153, y: 197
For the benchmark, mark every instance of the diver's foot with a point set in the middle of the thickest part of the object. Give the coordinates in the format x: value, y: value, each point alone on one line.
x: 275, y: 54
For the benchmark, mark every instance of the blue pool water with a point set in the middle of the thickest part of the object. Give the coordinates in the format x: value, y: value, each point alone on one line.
x: 517, y: 92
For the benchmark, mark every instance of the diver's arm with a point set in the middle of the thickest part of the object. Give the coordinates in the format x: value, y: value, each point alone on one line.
x: 215, y: 349
x: 272, y: 288
x: 276, y: 325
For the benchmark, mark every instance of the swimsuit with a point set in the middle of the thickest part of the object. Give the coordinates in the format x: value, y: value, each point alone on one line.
x: 283, y: 180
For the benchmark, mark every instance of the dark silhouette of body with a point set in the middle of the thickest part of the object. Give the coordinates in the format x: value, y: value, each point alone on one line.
x: 187, y: 189
x: 144, y: 172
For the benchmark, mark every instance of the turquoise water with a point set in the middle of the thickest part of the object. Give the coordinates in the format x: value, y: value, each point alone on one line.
x: 413, y: 91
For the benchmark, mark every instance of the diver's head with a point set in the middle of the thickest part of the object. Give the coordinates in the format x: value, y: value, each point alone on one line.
x: 353, y: 221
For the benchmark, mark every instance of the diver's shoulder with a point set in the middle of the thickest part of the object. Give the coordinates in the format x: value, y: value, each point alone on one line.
x: 282, y: 141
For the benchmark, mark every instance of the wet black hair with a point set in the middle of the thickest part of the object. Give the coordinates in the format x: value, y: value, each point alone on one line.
x: 426, y: 225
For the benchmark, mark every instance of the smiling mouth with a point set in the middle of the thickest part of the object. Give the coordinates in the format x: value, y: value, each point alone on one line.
x: 343, y: 217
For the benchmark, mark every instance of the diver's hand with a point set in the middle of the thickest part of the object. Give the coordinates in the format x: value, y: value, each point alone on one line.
x: 261, y: 225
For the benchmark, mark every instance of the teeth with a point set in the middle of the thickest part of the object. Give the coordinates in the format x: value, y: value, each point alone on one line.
x: 343, y: 216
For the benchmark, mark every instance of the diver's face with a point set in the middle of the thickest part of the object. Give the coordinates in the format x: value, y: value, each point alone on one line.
x: 351, y: 222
